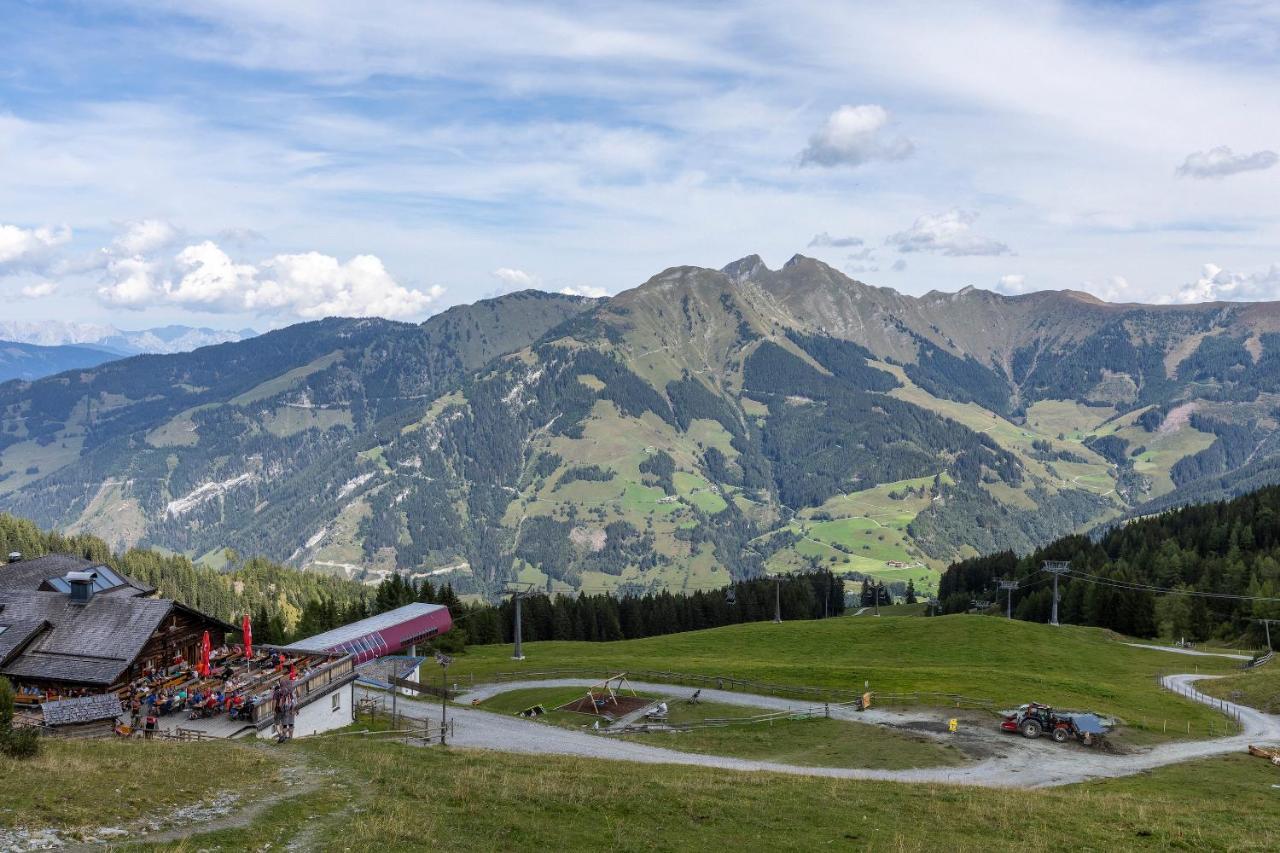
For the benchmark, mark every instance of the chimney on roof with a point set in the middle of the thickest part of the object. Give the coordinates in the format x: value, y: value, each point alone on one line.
x: 15, y: 556
x: 81, y: 584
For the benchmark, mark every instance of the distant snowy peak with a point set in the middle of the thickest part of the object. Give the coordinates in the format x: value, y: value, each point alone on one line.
x: 163, y: 340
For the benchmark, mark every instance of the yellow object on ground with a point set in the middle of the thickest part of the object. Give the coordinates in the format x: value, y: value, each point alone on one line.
x: 952, y: 725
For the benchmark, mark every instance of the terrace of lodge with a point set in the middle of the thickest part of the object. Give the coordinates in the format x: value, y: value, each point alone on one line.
x: 71, y: 629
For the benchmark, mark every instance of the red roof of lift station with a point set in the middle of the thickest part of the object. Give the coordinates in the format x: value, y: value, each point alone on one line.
x: 387, y: 633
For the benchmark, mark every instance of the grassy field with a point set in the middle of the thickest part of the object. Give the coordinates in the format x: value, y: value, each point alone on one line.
x: 1008, y: 662
x: 387, y: 796
x: 812, y: 743
x: 1258, y: 688
x: 815, y: 743
x: 99, y: 783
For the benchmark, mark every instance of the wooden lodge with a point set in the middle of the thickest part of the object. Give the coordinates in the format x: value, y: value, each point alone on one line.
x: 71, y: 627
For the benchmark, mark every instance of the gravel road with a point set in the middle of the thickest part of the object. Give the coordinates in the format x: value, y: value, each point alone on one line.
x: 1013, y: 762
x: 1192, y: 652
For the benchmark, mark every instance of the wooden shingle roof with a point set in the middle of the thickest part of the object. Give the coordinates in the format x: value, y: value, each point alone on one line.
x: 86, y: 709
x: 89, y: 643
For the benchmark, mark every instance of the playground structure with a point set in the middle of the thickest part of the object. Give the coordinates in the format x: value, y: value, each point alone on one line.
x: 606, y: 699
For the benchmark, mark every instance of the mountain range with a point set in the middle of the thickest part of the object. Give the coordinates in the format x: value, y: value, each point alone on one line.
x: 162, y: 339
x: 707, y: 424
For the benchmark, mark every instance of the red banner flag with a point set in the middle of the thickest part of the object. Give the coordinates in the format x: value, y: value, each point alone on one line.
x: 247, y: 629
x: 206, y: 648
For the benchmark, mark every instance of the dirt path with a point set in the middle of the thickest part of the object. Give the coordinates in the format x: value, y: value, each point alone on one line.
x: 1013, y: 761
x: 226, y: 810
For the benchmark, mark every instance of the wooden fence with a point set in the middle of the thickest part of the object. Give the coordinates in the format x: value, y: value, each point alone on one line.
x: 1259, y: 661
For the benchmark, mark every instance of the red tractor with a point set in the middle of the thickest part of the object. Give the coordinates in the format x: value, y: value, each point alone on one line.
x: 1034, y: 719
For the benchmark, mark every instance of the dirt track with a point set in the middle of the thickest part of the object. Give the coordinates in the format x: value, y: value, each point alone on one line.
x: 1013, y: 761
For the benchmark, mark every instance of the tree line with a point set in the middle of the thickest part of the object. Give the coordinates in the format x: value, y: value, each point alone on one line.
x: 1229, y: 548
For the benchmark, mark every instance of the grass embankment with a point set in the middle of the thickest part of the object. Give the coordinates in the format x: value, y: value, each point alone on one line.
x: 74, y: 784
x: 385, y: 796
x: 1258, y: 688
x: 811, y: 743
x: 1008, y: 662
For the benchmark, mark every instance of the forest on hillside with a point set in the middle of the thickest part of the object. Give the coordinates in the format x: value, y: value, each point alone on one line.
x: 1201, y: 572
x: 285, y: 605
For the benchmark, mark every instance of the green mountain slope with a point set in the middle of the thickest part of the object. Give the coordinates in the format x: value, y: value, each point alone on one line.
x: 707, y: 424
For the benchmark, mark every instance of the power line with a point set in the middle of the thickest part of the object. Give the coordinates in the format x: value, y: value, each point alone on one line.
x: 1133, y: 586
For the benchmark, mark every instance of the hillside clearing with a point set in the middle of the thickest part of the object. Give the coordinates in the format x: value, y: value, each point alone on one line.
x: 1007, y: 662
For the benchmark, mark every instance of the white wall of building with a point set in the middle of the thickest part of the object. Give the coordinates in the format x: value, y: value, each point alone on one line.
x: 332, y: 710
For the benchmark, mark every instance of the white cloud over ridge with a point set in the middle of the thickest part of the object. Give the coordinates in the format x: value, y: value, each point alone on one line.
x: 515, y: 279
x: 852, y: 136
x: 1011, y: 284
x: 1216, y: 284
x: 948, y: 234
x: 589, y: 291
x: 304, y: 286
x: 1219, y: 162
x: 1114, y: 288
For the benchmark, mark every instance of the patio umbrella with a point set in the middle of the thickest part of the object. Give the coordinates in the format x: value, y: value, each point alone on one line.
x: 206, y: 648
x: 247, y: 630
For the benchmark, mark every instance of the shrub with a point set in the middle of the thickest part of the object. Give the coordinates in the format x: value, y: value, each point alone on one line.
x: 21, y: 743
x: 15, y: 743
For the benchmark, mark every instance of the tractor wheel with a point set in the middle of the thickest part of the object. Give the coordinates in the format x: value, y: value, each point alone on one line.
x: 1061, y: 735
x: 1031, y: 729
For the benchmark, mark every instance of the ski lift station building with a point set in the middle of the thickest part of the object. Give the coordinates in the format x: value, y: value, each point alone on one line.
x: 390, y: 633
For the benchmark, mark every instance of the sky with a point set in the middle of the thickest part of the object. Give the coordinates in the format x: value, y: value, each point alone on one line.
x: 235, y: 163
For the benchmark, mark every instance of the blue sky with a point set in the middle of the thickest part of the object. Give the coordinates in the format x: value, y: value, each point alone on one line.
x: 235, y: 163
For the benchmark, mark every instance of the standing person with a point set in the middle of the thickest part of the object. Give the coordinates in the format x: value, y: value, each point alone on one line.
x: 135, y: 713
x: 277, y: 699
x: 291, y: 710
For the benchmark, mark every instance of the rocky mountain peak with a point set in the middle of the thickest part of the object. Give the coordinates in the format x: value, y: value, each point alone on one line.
x: 745, y: 269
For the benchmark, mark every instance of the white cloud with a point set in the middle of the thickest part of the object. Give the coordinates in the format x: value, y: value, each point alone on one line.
x: 210, y: 279
x: 1216, y: 284
x: 1222, y: 161
x: 852, y: 136
x: 899, y: 265
x: 240, y: 236
x: 946, y: 234
x: 1114, y: 289
x: 1012, y: 284
x: 585, y: 290
x: 307, y: 286
x: 865, y: 254
x: 824, y: 240
x: 855, y: 269
x: 514, y: 279
x: 313, y: 285
x: 130, y: 283
x: 23, y: 246
x: 143, y: 237
x: 39, y: 290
